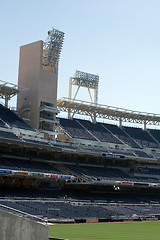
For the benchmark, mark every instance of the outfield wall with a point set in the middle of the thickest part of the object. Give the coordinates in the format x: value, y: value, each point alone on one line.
x: 14, y: 227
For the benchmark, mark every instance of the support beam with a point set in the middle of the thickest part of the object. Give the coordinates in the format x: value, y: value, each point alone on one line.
x: 108, y: 112
x: 85, y: 80
x: 120, y: 122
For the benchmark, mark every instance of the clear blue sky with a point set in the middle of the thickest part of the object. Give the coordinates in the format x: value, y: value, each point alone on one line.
x: 117, y: 39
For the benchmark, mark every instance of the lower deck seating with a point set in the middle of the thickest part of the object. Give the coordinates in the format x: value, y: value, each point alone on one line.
x: 70, y: 206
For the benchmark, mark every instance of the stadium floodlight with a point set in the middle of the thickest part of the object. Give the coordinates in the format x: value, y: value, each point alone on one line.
x: 52, y: 48
x: 85, y: 79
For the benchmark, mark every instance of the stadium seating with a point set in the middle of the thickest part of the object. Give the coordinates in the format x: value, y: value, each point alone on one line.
x: 2, y: 124
x: 141, y: 136
x: 115, y: 142
x: 87, y: 172
x: 26, y: 165
x: 134, y: 137
x: 108, y: 174
x: 8, y: 135
x: 34, y: 140
x: 71, y: 206
x: 75, y: 130
x: 155, y: 133
x: 99, y: 132
x: 120, y: 134
x: 10, y: 118
x: 149, y: 171
x: 142, y: 154
x: 5, y: 164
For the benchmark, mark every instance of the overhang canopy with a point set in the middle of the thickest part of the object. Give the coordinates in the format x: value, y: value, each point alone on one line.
x: 107, y: 112
x: 9, y: 90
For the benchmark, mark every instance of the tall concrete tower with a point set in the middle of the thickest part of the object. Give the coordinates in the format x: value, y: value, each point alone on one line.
x: 38, y: 72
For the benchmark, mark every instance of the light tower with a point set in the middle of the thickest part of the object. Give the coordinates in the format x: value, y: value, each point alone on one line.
x: 87, y: 80
x: 52, y: 49
x: 38, y: 72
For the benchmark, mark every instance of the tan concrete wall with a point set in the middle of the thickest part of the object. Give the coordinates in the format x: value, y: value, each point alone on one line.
x: 29, y: 75
x: 41, y: 84
x: 13, y: 227
x: 48, y: 87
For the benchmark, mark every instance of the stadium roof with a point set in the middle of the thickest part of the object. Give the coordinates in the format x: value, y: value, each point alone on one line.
x: 106, y: 112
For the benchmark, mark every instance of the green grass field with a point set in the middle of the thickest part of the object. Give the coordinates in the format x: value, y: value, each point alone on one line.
x: 108, y: 231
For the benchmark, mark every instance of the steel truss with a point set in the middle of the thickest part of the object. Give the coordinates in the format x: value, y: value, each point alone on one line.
x: 9, y: 90
x: 87, y: 80
x: 107, y: 112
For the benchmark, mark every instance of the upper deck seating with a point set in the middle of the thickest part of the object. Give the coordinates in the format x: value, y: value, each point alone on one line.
x: 141, y: 136
x: 74, y: 129
x: 12, y: 119
x: 155, y: 133
x: 134, y: 137
x: 119, y: 133
x: 99, y: 132
x: 2, y: 124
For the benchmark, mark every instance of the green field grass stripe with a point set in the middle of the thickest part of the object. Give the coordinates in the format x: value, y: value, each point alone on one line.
x: 108, y: 231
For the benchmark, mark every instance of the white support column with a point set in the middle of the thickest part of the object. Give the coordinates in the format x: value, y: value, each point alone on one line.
x: 90, y: 95
x: 76, y: 92
x: 70, y: 88
x: 70, y: 96
x: 84, y: 80
x: 96, y: 96
x: 95, y: 102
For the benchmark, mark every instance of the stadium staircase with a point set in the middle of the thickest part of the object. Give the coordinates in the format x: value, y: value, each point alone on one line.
x: 120, y: 140
x: 133, y: 140
x: 79, y: 177
x: 151, y: 135
x: 88, y: 131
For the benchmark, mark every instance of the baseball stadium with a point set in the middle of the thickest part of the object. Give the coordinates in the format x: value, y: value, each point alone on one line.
x: 70, y: 168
